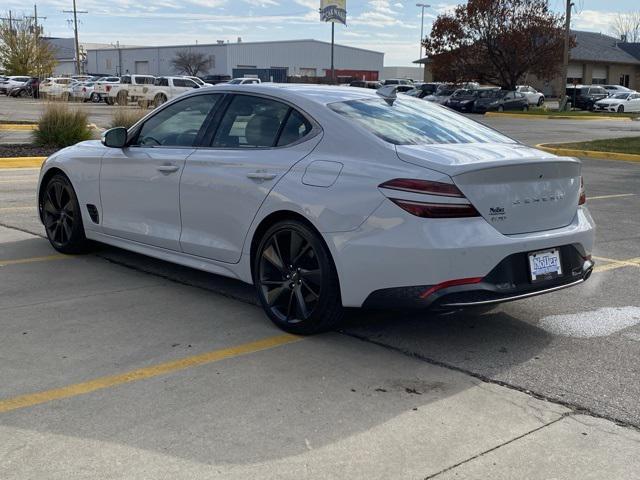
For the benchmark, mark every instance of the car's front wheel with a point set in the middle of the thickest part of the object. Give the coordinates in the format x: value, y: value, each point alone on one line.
x: 296, y: 279
x: 61, y: 216
x: 621, y: 109
x: 541, y: 101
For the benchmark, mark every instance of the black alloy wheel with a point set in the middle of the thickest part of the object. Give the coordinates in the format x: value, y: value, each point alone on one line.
x: 61, y: 216
x: 296, y: 280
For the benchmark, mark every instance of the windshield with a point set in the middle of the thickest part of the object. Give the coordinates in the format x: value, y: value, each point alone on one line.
x: 235, y: 82
x: 622, y: 96
x: 415, y: 122
x: 491, y: 94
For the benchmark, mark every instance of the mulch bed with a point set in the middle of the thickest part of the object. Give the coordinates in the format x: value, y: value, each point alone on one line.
x: 25, y: 150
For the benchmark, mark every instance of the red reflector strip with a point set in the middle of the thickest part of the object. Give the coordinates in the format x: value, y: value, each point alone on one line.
x: 437, y: 210
x: 450, y: 283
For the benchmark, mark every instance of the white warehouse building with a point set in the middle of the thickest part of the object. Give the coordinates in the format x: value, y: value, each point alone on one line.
x: 269, y: 60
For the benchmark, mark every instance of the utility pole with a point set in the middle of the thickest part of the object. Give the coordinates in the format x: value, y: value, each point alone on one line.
x: 565, y: 59
x: 333, y: 71
x: 75, y: 12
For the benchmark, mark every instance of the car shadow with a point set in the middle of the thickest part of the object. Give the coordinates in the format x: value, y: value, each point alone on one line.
x: 270, y: 406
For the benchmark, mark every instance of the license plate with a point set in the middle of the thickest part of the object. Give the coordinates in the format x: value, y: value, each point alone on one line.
x: 545, y: 265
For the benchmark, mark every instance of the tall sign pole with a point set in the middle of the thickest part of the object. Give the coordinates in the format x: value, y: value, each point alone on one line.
x: 334, y: 11
x: 423, y: 6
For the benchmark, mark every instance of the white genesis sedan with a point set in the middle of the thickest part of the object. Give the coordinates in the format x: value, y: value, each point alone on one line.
x: 327, y: 197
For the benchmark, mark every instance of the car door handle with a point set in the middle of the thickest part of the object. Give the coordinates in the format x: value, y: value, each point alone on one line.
x: 168, y: 168
x: 262, y: 176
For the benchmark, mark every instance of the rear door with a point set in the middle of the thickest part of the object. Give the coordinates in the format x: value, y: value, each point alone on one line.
x: 139, y: 184
x: 256, y: 141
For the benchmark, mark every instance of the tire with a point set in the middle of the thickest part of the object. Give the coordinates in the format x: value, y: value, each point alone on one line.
x: 62, y: 217
x: 621, y: 109
x: 108, y: 100
x: 65, y: 97
x: 122, y: 99
x: 541, y: 101
x: 501, y: 108
x: 299, y: 291
x: 159, y: 99
x: 95, y: 98
x: 23, y: 94
x: 525, y: 108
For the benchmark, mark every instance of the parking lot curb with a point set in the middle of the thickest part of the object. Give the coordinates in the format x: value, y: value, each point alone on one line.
x: 17, y: 126
x: 557, y: 117
x: 570, y: 152
x: 21, y: 162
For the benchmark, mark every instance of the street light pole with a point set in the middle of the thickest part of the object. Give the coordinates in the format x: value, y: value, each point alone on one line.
x: 423, y: 6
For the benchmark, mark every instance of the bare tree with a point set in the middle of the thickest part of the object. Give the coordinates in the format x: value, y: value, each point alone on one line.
x: 22, y: 51
x: 190, y: 63
x: 626, y: 25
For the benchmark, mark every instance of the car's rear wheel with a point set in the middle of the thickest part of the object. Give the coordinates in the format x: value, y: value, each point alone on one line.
x: 525, y: 108
x: 95, y: 98
x: 501, y: 108
x: 621, y: 109
x: 296, y: 279
x: 61, y: 216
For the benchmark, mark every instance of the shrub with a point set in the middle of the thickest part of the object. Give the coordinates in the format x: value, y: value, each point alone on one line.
x: 126, y: 118
x: 61, y: 127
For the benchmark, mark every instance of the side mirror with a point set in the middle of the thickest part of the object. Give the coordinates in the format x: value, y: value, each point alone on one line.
x: 115, y: 137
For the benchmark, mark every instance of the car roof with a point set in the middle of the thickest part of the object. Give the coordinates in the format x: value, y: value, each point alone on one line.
x: 318, y: 94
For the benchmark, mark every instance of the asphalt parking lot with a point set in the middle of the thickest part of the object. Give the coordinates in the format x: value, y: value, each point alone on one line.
x: 121, y: 366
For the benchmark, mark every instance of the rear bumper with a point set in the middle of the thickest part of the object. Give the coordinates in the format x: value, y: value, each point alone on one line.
x: 400, y: 256
x: 508, y: 281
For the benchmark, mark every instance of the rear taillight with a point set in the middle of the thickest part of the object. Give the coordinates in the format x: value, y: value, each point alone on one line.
x: 84, y: 90
x: 437, y: 210
x: 423, y: 186
x: 430, y: 209
x: 583, y: 193
x: 108, y: 88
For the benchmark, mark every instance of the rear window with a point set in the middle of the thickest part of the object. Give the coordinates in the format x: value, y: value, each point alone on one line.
x: 415, y: 122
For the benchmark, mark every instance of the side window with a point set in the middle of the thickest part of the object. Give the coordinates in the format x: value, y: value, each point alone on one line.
x: 294, y: 129
x: 250, y: 122
x: 161, y: 82
x: 177, y: 125
x: 126, y: 80
x: 509, y: 96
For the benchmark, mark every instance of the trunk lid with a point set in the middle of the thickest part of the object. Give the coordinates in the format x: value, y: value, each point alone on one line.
x: 517, y: 189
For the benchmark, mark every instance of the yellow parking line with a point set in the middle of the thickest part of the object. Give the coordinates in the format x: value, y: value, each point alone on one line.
x: 613, y: 264
x: 21, y: 261
x: 83, y: 388
x: 21, y: 162
x: 602, y: 197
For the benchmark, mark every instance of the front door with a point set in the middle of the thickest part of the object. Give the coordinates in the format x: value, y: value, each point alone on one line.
x: 139, y: 184
x: 257, y: 141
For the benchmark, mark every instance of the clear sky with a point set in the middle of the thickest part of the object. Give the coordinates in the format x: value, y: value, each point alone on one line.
x: 392, y: 27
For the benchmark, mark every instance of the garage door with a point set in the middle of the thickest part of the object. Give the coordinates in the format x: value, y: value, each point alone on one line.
x: 575, y: 70
x: 599, y: 75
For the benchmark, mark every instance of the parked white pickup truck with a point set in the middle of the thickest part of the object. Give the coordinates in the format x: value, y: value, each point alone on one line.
x: 130, y: 89
x: 102, y: 88
x: 166, y: 88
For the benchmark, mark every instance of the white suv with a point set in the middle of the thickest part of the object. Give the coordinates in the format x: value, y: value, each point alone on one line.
x: 166, y: 88
x: 12, y: 82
